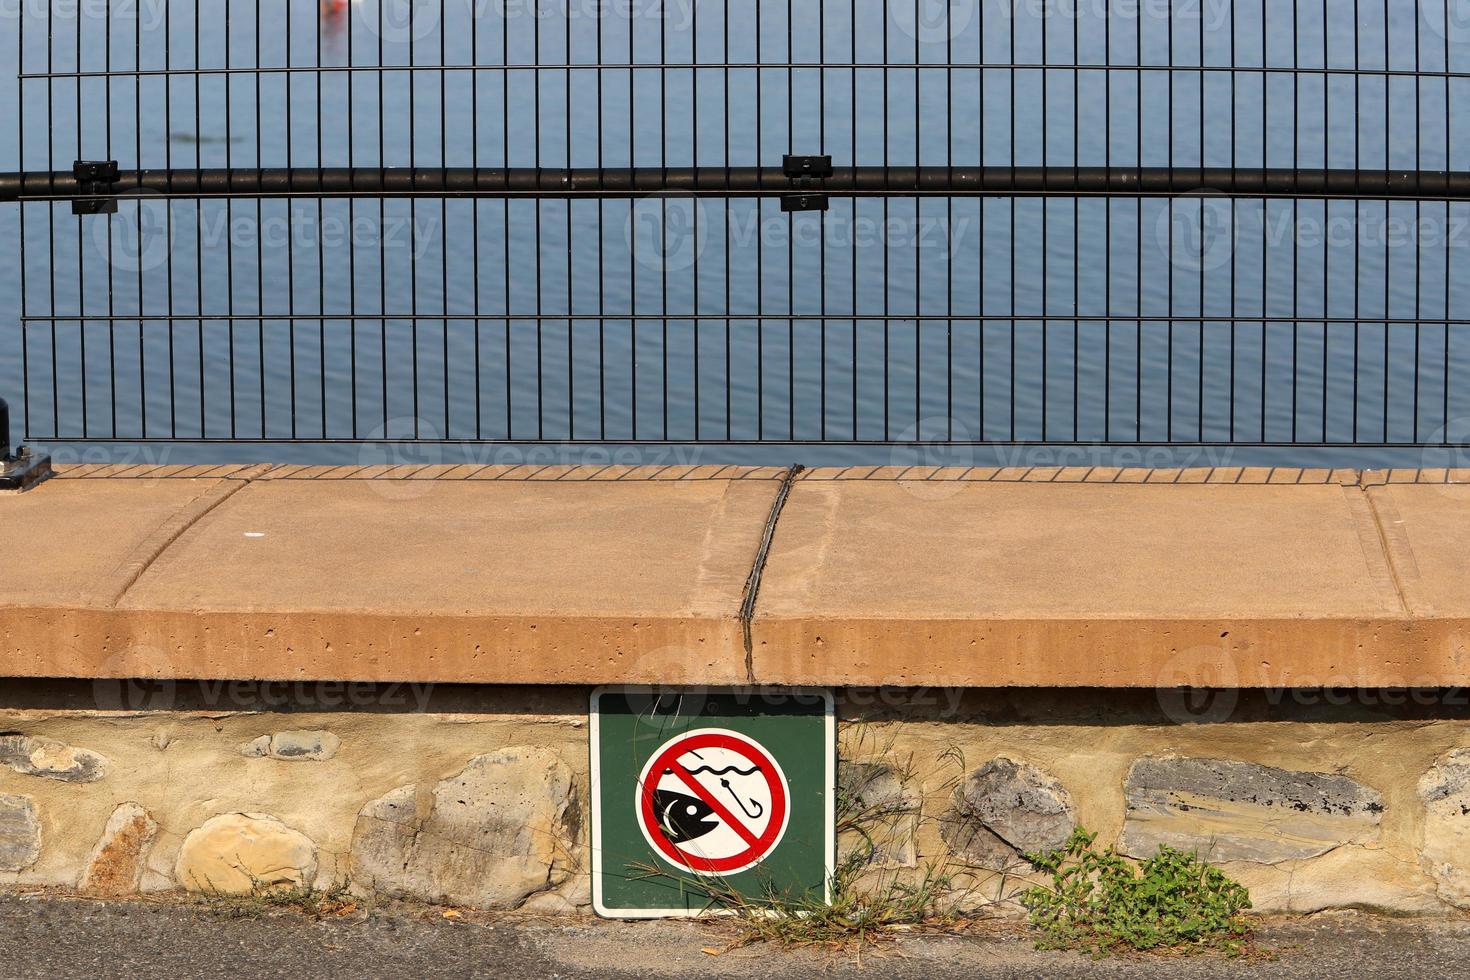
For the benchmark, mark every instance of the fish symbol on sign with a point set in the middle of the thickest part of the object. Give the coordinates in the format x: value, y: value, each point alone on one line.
x: 682, y: 817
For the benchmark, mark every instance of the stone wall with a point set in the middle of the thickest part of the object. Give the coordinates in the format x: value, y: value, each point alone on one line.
x: 476, y: 796
x: 476, y: 800
x: 1312, y: 799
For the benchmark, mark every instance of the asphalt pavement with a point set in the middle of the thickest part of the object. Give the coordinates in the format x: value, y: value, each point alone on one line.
x: 49, y: 936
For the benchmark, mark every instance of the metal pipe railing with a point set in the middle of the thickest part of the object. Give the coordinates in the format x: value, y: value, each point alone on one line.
x: 594, y: 182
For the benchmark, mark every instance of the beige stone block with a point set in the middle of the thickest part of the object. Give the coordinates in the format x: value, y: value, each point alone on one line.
x: 239, y: 853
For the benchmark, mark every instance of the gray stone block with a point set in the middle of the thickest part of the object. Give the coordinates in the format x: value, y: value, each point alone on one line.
x: 51, y: 759
x: 1225, y: 810
x: 1005, y: 809
x: 20, y: 833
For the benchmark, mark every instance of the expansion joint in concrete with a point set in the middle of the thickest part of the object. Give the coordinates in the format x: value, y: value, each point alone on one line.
x: 758, y: 566
x: 1398, y: 554
x: 1377, y: 552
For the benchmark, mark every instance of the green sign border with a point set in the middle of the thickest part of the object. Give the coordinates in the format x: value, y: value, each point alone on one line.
x: 824, y: 710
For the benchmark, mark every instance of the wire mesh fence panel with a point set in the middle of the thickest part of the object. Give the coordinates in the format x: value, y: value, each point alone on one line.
x: 745, y: 221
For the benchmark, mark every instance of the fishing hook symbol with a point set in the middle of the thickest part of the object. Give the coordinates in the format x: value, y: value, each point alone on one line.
x: 741, y: 803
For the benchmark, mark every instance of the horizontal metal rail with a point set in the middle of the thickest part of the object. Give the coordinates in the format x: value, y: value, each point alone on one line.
x: 702, y: 441
x: 595, y: 182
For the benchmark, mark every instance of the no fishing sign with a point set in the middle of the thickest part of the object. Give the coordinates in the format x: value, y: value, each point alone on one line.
x: 703, y: 793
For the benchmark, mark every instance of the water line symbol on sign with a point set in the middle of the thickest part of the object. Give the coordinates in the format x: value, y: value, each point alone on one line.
x: 713, y: 801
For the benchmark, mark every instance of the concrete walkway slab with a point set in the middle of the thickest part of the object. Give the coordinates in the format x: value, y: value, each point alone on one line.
x: 655, y: 550
x: 484, y: 582
x: 587, y: 575
x: 383, y: 579
x: 1073, y: 551
x: 81, y: 542
x: 997, y: 584
x: 1426, y: 529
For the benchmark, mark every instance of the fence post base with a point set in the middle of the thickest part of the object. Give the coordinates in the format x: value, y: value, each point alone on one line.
x: 24, y: 470
x: 21, y: 469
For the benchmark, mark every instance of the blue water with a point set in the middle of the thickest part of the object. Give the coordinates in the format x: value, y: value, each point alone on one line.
x: 343, y: 320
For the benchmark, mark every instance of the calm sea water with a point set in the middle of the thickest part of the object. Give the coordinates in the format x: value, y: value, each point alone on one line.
x: 339, y: 320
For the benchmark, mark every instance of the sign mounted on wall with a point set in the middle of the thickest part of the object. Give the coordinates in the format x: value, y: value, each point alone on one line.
x: 701, y: 794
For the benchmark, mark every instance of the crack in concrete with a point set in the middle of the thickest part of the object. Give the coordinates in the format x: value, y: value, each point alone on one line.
x: 153, y: 547
x: 1397, y: 550
x: 1376, y: 550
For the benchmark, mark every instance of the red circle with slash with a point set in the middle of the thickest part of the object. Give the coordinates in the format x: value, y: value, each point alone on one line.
x: 758, y: 836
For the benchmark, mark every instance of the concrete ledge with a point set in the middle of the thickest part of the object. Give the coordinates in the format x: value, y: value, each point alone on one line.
x: 277, y: 574
x: 889, y: 576
x: 1024, y: 583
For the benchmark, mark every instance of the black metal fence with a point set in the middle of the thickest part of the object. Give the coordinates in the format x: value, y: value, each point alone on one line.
x: 742, y: 221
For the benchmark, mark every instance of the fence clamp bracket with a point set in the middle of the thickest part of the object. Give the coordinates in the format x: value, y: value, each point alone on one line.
x: 95, y: 180
x: 805, y: 171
